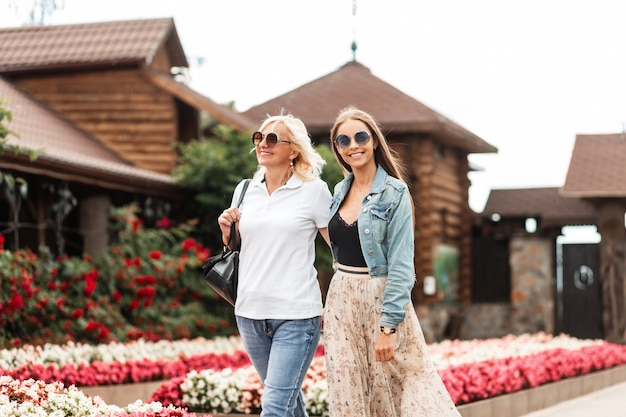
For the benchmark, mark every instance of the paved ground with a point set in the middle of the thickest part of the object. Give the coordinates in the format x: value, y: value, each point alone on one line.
x: 608, y: 402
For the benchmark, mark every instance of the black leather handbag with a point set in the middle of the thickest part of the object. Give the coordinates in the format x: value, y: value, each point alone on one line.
x: 221, y: 271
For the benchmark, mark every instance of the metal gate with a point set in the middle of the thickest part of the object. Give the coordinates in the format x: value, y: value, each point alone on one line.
x: 579, y: 301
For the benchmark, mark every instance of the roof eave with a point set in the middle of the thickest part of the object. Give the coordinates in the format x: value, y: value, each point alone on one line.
x: 44, y: 166
x: 593, y: 194
x: 79, y: 66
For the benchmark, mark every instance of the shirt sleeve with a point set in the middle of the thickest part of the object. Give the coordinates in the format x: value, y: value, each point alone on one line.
x: 321, y: 204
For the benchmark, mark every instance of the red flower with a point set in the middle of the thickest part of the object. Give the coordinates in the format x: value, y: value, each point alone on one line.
x: 163, y: 223
x: 78, y: 313
x: 134, y: 305
x: 136, y: 224
x: 91, y: 326
x: 104, y: 333
x: 41, y: 304
x: 27, y: 289
x: 147, y: 292
x: 16, y: 302
x: 146, y: 280
x: 117, y: 296
x: 1, y: 240
x: 188, y: 244
x: 155, y: 254
x: 90, y: 282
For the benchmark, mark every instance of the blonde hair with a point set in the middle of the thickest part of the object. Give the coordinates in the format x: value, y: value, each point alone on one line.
x: 308, y: 164
x: 383, y: 154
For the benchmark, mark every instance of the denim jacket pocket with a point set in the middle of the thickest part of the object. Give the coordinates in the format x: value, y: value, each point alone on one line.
x: 380, y: 218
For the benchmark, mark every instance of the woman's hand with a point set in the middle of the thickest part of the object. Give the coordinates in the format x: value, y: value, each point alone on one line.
x: 385, y: 347
x: 228, y: 217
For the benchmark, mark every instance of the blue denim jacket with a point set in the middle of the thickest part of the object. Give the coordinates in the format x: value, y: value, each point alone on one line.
x: 386, y: 232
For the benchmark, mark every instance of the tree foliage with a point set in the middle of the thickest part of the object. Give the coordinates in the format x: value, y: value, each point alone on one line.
x: 212, y: 168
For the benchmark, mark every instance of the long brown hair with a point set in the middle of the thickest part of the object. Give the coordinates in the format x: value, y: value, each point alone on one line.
x: 383, y: 154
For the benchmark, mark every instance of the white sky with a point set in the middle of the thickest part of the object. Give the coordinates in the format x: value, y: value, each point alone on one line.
x: 525, y: 75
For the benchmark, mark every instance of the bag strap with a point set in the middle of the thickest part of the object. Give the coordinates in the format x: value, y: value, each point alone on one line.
x: 233, y: 230
x: 243, y: 191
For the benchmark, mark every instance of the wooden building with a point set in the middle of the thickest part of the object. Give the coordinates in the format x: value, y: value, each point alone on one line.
x: 596, y: 175
x: 103, y: 103
x: 435, y: 151
x: 520, y: 285
x: 543, y: 285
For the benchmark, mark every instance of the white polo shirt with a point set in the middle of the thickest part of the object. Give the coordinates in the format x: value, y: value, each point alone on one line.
x: 277, y: 278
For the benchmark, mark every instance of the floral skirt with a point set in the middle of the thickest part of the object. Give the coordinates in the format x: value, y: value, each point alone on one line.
x: 407, y: 386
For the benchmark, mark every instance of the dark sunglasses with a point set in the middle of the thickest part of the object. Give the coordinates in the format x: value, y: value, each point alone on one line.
x: 361, y: 138
x: 271, y: 139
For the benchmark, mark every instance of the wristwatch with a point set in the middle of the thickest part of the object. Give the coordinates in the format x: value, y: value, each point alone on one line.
x: 387, y: 330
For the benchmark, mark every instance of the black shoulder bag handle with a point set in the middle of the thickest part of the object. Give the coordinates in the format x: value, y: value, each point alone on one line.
x: 236, y: 243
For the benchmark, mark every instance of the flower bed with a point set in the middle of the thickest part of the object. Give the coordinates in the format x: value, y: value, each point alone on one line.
x: 32, y: 398
x: 214, y: 376
x: 120, y: 363
x: 471, y: 371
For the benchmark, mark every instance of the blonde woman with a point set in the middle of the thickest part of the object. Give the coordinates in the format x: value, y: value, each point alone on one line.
x: 279, y: 303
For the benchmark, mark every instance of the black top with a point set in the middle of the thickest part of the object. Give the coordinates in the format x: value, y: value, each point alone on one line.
x: 346, y: 238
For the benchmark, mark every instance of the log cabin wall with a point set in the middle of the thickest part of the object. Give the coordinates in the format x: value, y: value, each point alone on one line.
x: 120, y: 108
x: 442, y: 215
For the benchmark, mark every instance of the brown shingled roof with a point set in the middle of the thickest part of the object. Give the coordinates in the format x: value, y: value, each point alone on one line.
x: 318, y: 102
x: 118, y: 43
x: 597, y: 167
x: 68, y: 153
x: 544, y: 203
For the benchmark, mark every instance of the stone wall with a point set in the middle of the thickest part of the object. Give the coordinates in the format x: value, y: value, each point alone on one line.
x: 532, y: 285
x: 531, y: 308
x: 472, y: 321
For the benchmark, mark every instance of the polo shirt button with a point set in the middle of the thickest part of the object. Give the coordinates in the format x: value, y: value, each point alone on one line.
x: 369, y: 197
x: 364, y: 210
x: 370, y: 253
x: 367, y: 231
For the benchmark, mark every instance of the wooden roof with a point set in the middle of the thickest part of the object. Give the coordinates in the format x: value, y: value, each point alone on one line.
x: 88, y: 45
x: 68, y: 153
x: 544, y: 203
x: 318, y: 102
x: 597, y: 167
x: 107, y: 45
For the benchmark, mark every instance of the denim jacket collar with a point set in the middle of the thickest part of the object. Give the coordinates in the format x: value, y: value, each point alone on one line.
x: 378, y: 186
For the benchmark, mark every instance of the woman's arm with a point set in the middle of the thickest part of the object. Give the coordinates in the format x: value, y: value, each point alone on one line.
x: 324, y: 233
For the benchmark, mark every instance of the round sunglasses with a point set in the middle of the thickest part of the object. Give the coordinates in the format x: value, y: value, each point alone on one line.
x: 271, y: 139
x: 361, y: 138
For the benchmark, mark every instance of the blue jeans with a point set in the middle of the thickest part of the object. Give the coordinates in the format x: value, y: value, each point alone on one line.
x: 281, y: 351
